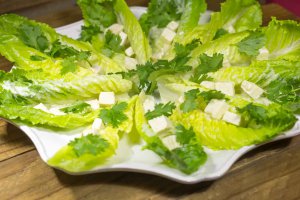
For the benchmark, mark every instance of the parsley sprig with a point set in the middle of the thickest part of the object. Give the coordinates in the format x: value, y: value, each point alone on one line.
x: 114, y: 116
x: 161, y: 109
x: 90, y: 144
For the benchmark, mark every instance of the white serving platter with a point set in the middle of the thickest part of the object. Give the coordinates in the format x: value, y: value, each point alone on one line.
x: 133, y: 158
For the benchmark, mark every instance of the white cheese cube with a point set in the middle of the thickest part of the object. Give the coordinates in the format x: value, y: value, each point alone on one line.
x: 116, y: 28
x: 216, y: 108
x: 263, y: 54
x: 159, y: 124
x: 226, y: 88
x: 130, y: 63
x: 168, y: 34
x: 56, y: 111
x: 41, y: 107
x: 107, y: 98
x: 232, y: 118
x: 173, y: 25
x: 94, y: 104
x: 208, y: 84
x: 252, y: 89
x: 123, y: 37
x: 129, y: 51
x: 97, y: 125
x: 149, y: 103
x: 170, y: 142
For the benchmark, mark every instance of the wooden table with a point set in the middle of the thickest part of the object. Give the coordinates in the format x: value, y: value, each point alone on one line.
x: 269, y: 172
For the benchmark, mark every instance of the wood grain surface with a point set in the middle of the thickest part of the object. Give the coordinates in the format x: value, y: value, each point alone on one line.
x: 269, y: 172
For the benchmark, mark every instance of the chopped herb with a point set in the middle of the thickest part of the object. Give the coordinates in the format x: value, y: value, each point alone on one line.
x: 251, y: 44
x: 114, y: 116
x: 161, y: 109
x: 80, y: 108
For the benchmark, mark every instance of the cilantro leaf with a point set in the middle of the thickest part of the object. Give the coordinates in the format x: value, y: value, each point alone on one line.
x: 33, y: 36
x: 98, y: 13
x: 183, y: 135
x: 194, y: 99
x: 161, y: 109
x: 112, y: 44
x: 208, y: 64
x: 90, y: 144
x: 258, y: 113
x: 80, y: 108
x: 190, y: 103
x: 68, y: 65
x: 87, y: 33
x: 37, y: 58
x: 251, y: 44
x: 160, y: 13
x: 187, y: 158
x: 114, y: 116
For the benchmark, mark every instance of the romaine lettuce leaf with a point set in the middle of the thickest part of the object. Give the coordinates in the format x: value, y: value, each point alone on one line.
x: 283, y: 39
x: 218, y: 135
x: 87, y: 152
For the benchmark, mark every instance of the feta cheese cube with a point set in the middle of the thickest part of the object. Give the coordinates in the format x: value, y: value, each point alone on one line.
x: 96, y: 126
x: 94, y: 104
x: 130, y: 63
x: 208, y: 84
x: 226, y: 88
x: 216, y: 108
x: 159, y: 124
x: 168, y: 34
x: 232, y: 118
x: 107, y: 98
x: 170, y: 142
x: 173, y: 25
x: 116, y: 28
x: 41, y: 107
x: 123, y: 37
x: 263, y: 54
x: 149, y: 103
x: 56, y: 111
x: 252, y: 89
x: 129, y: 51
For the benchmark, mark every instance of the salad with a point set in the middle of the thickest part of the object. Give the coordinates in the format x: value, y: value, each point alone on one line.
x: 167, y: 80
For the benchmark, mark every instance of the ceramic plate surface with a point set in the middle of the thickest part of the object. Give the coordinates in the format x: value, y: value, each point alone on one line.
x: 132, y: 158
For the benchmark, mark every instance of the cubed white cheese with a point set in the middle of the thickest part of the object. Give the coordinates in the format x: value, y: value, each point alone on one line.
x: 226, y: 88
x: 168, y: 34
x: 130, y: 63
x: 170, y: 142
x: 94, y: 104
x: 252, y: 89
x: 107, y: 98
x: 232, y: 118
x: 116, y: 28
x: 173, y: 25
x: 129, y: 51
x: 56, y: 111
x: 123, y: 37
x: 159, y: 124
x: 149, y: 103
x: 208, y: 84
x: 97, y: 125
x: 41, y: 107
x: 216, y: 108
x: 263, y: 54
